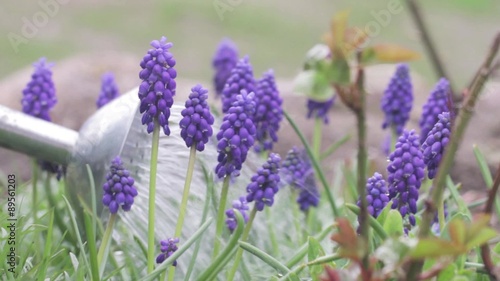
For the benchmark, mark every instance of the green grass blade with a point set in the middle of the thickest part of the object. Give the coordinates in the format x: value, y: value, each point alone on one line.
x: 90, y: 232
x: 94, y: 198
x: 330, y: 150
x: 301, y: 253
x: 77, y: 232
x: 371, y: 220
x: 281, y: 268
x: 47, y: 250
x: 225, y: 256
x: 485, y: 171
x: 316, y: 166
x: 160, y: 269
x: 143, y: 248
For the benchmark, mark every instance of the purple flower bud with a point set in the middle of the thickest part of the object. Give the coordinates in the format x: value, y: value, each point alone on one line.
x: 268, y: 112
x: 241, y: 78
x: 119, y: 189
x: 434, y: 145
x: 238, y: 205
x: 167, y: 247
x: 158, y: 87
x: 235, y: 136
x: 264, y: 183
x: 398, y: 100
x: 298, y: 172
x: 224, y: 61
x: 406, y: 172
x: 39, y: 95
x: 109, y: 90
x: 377, y: 194
x: 197, y: 121
x: 319, y: 109
x: 437, y: 103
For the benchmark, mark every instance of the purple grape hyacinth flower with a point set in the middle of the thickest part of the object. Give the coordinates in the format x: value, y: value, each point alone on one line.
x: 268, y: 112
x: 109, y: 90
x: 319, y: 109
x: 240, y: 205
x: 158, y: 85
x: 436, y: 104
x: 296, y: 167
x: 264, y: 183
x: 309, y: 194
x: 119, y: 189
x: 298, y: 173
x: 168, y: 247
x: 39, y: 95
x: 236, y: 135
x: 398, y: 99
x: 406, y: 172
x: 377, y: 194
x: 224, y: 61
x: 197, y: 121
x: 241, y: 78
x: 435, y: 143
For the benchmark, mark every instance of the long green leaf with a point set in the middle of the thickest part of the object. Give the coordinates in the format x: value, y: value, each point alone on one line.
x: 301, y: 253
x: 485, y: 171
x: 225, y: 256
x: 90, y: 231
x: 373, y: 222
x: 93, y: 197
x: 160, y: 269
x: 330, y: 150
x: 47, y: 251
x: 265, y: 257
x: 316, y: 165
x: 77, y: 232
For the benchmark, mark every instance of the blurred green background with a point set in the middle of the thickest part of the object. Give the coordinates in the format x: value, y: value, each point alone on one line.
x: 276, y: 34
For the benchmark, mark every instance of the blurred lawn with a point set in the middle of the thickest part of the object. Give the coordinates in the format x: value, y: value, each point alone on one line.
x: 274, y: 33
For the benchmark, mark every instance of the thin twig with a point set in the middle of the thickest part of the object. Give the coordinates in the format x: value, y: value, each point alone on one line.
x: 488, y: 209
x: 436, y: 193
x: 428, y: 43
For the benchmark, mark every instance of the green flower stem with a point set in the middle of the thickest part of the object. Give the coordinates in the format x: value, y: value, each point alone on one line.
x: 52, y: 203
x: 436, y: 194
x: 441, y: 216
x: 394, y: 139
x: 104, y: 247
x: 185, y: 196
x: 35, y: 192
x: 208, y: 197
x: 244, y: 237
x: 316, y: 165
x: 220, y: 216
x: 317, y: 134
x: 272, y: 232
x: 152, y: 196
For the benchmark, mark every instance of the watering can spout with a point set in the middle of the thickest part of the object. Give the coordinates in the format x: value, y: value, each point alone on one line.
x: 35, y: 137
